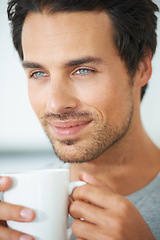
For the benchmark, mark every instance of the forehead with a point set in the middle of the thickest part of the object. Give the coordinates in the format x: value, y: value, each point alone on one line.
x: 61, y: 33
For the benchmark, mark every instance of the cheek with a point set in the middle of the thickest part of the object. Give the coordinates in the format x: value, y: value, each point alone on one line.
x: 37, y: 99
x: 100, y: 96
x: 110, y: 101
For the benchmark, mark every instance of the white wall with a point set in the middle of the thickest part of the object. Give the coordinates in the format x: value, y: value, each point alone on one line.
x: 150, y: 108
x: 19, y: 128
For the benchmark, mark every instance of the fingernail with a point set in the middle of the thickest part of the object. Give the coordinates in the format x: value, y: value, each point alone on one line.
x: 25, y: 237
x: 3, y: 181
x: 26, y: 213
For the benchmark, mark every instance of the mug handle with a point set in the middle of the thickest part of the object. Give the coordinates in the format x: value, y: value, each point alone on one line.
x: 72, y: 186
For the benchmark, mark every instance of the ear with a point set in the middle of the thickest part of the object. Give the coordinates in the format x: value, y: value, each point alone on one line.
x: 144, y: 70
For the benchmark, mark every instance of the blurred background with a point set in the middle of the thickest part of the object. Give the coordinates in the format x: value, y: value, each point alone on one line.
x: 23, y: 143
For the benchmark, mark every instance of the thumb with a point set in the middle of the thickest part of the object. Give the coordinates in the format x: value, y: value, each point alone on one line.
x: 90, y: 179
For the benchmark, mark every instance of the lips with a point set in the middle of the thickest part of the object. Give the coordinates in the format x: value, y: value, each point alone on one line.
x: 68, y: 128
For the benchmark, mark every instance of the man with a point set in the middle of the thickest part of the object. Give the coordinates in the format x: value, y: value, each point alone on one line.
x: 88, y: 64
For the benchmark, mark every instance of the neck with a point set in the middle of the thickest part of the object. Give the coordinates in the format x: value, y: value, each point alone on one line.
x: 127, y: 166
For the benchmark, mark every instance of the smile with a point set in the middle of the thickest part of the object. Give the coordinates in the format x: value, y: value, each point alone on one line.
x: 68, y: 128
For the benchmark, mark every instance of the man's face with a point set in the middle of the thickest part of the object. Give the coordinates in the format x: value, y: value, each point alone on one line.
x: 78, y: 85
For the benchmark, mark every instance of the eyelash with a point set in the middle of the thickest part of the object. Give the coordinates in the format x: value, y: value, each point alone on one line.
x: 33, y: 74
x: 75, y: 72
x: 85, y: 73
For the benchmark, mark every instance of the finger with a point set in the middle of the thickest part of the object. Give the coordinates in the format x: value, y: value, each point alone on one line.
x: 88, y: 178
x: 5, y: 183
x: 86, y: 211
x: 88, y: 231
x: 9, y: 234
x: 97, y: 196
x: 78, y: 226
x: 15, y: 213
x: 93, y: 214
x: 105, y: 220
x: 70, y: 201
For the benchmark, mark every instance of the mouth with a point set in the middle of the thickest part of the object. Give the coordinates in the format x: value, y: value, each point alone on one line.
x: 70, y: 128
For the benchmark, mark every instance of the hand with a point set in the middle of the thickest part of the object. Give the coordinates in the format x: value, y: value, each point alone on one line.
x: 12, y: 212
x: 107, y: 215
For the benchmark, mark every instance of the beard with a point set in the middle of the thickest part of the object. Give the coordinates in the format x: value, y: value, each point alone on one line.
x: 100, y: 137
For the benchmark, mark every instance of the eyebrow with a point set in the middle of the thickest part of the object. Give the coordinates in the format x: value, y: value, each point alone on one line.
x: 83, y: 60
x: 26, y: 65
x: 70, y: 63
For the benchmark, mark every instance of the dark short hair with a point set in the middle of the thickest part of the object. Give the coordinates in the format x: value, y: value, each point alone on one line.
x: 134, y: 23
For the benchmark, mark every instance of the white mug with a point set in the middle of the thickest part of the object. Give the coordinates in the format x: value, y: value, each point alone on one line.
x: 46, y: 192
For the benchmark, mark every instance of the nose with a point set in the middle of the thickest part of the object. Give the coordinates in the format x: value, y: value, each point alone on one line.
x: 61, y: 97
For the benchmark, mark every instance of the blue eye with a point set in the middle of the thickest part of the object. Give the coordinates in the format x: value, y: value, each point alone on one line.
x: 39, y: 75
x: 83, y: 71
